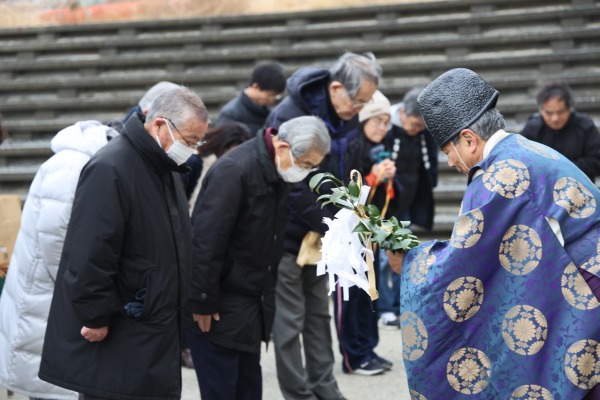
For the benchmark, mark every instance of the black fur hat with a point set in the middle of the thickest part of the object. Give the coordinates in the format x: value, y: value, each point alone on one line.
x: 454, y: 101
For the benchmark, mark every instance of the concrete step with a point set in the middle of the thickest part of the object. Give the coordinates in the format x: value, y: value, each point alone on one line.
x: 115, y: 41
x: 12, y: 148
x: 18, y: 173
x: 430, y: 48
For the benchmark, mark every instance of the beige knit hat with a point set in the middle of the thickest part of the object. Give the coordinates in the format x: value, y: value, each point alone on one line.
x: 378, y: 105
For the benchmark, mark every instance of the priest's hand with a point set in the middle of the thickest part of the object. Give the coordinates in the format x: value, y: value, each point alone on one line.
x: 395, y: 260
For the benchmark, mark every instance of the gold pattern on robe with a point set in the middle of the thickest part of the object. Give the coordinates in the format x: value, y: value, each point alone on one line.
x: 469, y: 370
x: 571, y: 195
x: 538, y: 148
x: 582, y: 363
x: 531, y: 392
x: 414, y: 395
x: 467, y: 229
x: 524, y: 329
x: 576, y: 290
x: 509, y: 178
x: 463, y: 298
x: 520, y: 250
x: 420, y: 266
x: 414, y: 336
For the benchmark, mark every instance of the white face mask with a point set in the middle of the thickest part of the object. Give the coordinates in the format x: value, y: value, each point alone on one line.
x: 294, y: 173
x: 179, y: 152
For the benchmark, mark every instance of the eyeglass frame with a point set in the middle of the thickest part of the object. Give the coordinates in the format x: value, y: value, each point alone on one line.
x: 191, y: 146
x: 356, y: 104
x: 381, y: 124
x: 312, y: 168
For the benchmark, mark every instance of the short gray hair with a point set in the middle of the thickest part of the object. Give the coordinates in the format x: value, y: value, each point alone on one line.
x: 352, y: 69
x: 489, y: 123
x: 304, y: 134
x: 410, y: 105
x: 179, y: 105
x: 155, y: 91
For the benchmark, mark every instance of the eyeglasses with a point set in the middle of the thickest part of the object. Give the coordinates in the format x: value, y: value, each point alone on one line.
x: 382, y: 123
x: 356, y: 104
x: 305, y: 166
x: 193, y: 146
x: 302, y: 164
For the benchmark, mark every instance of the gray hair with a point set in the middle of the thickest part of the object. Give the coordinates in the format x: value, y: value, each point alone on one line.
x: 154, y: 92
x: 352, y: 69
x: 489, y: 123
x: 410, y: 105
x: 179, y: 105
x: 304, y: 134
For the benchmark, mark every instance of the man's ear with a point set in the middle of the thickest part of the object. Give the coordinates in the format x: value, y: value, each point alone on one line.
x: 157, y: 123
x: 279, y: 146
x: 334, y: 86
x: 470, y: 139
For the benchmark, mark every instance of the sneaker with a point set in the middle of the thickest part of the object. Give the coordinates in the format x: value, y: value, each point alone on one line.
x: 388, y: 320
x: 386, y: 364
x: 368, y: 368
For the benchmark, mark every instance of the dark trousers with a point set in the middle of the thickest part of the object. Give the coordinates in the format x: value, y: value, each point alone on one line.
x: 88, y: 397
x: 356, y: 325
x: 225, y: 374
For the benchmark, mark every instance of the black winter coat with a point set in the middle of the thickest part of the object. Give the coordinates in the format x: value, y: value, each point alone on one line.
x: 578, y: 140
x: 129, y: 233
x: 415, y: 180
x: 243, y: 109
x: 308, y: 95
x: 238, y: 224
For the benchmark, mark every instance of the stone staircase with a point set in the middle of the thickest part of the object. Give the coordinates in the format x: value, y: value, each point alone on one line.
x: 52, y: 77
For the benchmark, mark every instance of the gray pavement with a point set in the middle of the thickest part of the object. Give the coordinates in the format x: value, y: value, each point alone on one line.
x: 390, y: 385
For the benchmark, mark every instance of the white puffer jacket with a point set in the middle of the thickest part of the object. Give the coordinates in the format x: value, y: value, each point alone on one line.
x: 29, y: 285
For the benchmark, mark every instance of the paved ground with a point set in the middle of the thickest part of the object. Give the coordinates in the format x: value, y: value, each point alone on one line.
x: 391, y: 385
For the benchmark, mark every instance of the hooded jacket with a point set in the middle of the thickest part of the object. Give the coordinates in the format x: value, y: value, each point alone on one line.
x: 128, y: 241
x: 243, y: 109
x: 27, y: 294
x: 308, y: 95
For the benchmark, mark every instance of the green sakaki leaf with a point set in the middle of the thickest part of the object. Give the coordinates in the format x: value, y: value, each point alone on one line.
x: 314, y: 181
x: 353, y: 189
x: 323, y: 196
x: 361, y: 228
x: 336, y: 195
x: 405, y: 244
x: 380, y: 236
x: 373, y: 211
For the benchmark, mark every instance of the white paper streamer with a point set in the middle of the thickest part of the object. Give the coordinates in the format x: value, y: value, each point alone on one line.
x: 343, y: 254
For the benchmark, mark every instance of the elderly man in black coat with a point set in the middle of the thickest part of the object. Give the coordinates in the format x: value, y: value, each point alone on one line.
x: 114, y: 325
x: 238, y: 222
